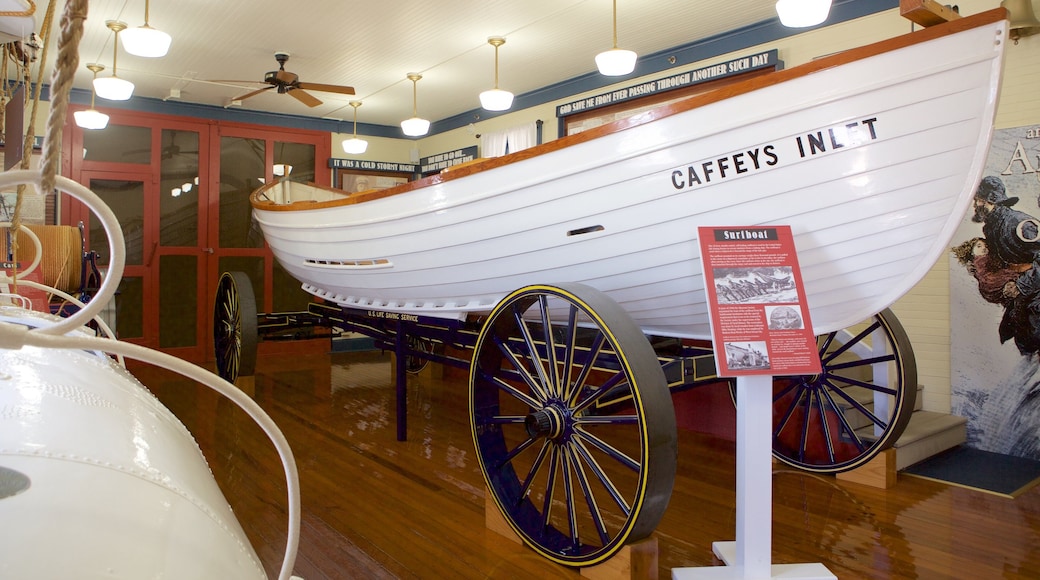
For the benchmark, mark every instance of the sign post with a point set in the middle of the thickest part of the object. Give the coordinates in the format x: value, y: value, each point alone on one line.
x: 760, y: 328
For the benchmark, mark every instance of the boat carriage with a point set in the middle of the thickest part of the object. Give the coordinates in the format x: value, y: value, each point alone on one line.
x: 570, y: 253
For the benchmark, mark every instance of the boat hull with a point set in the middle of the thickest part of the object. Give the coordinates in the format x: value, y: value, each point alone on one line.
x: 872, y: 163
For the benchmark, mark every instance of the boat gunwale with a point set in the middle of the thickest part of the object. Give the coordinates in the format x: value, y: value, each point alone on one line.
x: 259, y: 200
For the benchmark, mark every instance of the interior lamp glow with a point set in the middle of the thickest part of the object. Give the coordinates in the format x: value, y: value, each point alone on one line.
x: 616, y: 61
x: 355, y: 146
x: 114, y: 88
x: 92, y: 118
x: 416, y: 126
x: 496, y: 99
x: 145, y: 40
x: 802, y: 13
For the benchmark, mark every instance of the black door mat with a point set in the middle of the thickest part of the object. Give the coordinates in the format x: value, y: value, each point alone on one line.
x: 995, y: 473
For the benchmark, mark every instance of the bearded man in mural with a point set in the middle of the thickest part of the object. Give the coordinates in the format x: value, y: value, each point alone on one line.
x: 1008, y: 255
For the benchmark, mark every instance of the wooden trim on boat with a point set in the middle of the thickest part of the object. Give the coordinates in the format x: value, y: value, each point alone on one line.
x: 835, y: 60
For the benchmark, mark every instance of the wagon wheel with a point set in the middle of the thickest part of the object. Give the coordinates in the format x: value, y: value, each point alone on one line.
x: 416, y: 363
x: 234, y: 326
x: 856, y: 408
x: 575, y: 480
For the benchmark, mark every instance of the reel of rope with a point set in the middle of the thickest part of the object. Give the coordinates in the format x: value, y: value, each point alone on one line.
x: 62, y: 253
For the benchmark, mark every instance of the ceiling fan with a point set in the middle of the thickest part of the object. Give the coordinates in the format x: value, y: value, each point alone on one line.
x: 288, y: 82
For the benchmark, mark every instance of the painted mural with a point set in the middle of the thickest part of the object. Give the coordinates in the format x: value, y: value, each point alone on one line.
x: 995, y: 301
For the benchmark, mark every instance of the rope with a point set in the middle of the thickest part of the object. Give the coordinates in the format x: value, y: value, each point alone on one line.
x: 27, y: 12
x: 62, y: 251
x: 30, y: 135
x: 61, y: 81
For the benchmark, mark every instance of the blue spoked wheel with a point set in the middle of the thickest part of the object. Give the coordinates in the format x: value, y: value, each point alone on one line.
x: 234, y: 326
x: 856, y: 408
x: 572, y: 421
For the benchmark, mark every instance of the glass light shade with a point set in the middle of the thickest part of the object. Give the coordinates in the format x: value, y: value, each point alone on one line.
x: 415, y: 127
x: 113, y: 88
x: 355, y: 146
x: 802, y: 13
x: 91, y: 119
x: 496, y: 100
x: 146, y: 41
x: 616, y: 62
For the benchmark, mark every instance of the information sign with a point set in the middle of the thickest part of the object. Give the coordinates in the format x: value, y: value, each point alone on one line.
x: 759, y: 319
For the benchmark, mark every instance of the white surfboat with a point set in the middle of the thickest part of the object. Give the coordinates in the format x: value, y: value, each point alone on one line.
x: 872, y: 157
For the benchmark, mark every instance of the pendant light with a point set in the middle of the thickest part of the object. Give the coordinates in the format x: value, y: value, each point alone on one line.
x: 92, y: 118
x: 496, y: 99
x: 416, y: 126
x: 114, y: 88
x: 145, y: 40
x: 355, y: 146
x: 616, y: 61
x: 802, y: 13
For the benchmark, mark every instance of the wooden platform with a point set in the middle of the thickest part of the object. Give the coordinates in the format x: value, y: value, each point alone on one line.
x: 378, y: 508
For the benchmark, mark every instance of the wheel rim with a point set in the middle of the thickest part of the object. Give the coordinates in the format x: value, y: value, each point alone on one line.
x: 234, y: 326
x: 417, y: 360
x: 576, y: 480
x: 856, y: 408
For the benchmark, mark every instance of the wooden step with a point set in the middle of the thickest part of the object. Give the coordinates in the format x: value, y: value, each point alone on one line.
x: 929, y: 433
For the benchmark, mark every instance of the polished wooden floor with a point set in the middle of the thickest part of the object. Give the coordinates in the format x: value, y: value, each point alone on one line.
x: 374, y: 507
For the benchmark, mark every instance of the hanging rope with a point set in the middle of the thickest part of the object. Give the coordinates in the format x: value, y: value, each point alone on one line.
x: 30, y: 134
x: 61, y: 82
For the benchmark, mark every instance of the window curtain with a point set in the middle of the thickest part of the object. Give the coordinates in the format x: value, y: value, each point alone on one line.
x: 498, y: 143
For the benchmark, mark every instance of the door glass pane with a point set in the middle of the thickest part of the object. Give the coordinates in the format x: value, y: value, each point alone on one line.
x: 178, y: 301
x: 288, y: 295
x: 252, y: 267
x: 118, y: 144
x: 299, y: 156
x: 126, y: 199
x: 130, y: 308
x: 179, y: 188
x: 241, y: 172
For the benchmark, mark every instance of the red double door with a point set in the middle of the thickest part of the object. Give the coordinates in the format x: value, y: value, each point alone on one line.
x: 180, y: 192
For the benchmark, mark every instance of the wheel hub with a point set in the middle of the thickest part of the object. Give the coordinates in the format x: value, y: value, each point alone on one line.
x: 546, y: 422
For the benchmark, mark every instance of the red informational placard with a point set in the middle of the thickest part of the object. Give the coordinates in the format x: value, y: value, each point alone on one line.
x: 759, y: 320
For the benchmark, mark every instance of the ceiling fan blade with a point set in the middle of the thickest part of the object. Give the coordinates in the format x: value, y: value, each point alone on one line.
x: 305, y: 97
x: 285, y: 77
x: 327, y: 88
x: 251, y: 94
x: 226, y: 81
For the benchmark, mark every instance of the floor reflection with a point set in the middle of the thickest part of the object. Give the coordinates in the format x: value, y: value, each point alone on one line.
x: 377, y: 507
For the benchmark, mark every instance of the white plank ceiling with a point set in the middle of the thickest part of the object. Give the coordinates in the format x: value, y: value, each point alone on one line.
x: 373, y: 45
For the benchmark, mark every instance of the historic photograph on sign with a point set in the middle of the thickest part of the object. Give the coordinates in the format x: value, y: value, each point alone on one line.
x: 747, y: 355
x: 755, y: 285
